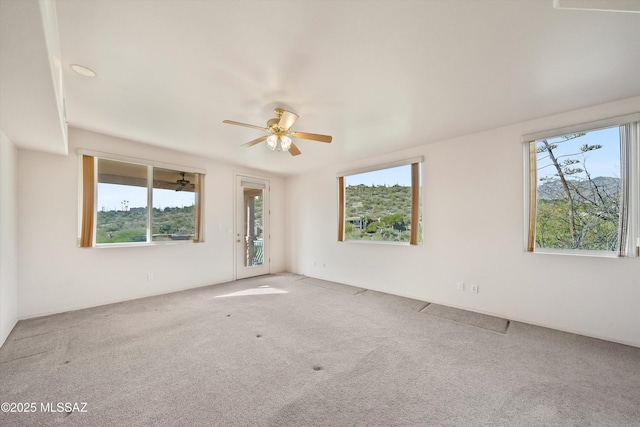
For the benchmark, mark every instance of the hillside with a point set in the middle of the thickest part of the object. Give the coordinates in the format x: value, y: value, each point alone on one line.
x: 596, y: 210
x: 552, y: 189
x: 131, y: 225
x: 377, y: 201
x: 378, y: 213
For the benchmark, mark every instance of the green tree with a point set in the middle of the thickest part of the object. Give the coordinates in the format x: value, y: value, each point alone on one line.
x: 585, y: 215
x: 396, y: 221
x: 373, y: 227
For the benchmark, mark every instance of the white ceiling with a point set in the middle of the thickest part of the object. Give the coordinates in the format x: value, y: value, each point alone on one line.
x: 31, y: 94
x: 376, y: 75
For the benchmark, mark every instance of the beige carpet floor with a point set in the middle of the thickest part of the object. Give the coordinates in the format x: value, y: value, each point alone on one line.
x: 285, y: 350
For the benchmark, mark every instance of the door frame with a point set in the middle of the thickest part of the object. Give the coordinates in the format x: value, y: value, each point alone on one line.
x: 238, y: 232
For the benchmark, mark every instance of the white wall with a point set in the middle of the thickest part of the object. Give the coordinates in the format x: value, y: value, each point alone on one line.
x: 473, y: 232
x: 8, y: 237
x: 56, y: 275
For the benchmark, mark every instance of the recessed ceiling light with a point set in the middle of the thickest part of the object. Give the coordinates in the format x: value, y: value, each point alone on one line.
x: 82, y: 70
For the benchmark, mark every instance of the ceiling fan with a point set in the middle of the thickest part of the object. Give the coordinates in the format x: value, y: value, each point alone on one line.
x: 182, y: 183
x: 280, y: 129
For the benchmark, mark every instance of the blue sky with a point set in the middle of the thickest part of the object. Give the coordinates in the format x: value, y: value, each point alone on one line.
x: 400, y: 175
x: 602, y: 162
x: 111, y: 197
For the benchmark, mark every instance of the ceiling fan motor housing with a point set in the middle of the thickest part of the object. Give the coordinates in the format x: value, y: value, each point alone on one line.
x: 272, y: 125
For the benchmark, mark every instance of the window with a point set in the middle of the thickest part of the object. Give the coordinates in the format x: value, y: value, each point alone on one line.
x: 381, y: 204
x: 583, y: 189
x: 174, y: 205
x: 129, y: 202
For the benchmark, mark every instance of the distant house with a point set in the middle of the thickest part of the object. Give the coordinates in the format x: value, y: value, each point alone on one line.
x: 356, y: 222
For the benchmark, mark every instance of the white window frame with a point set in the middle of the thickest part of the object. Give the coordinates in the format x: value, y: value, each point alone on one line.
x: 373, y: 168
x: 149, y: 165
x: 632, y: 249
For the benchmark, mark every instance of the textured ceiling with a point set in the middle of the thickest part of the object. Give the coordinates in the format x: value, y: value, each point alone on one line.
x: 376, y: 75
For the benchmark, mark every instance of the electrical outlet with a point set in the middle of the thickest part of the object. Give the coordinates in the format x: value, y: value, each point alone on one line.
x: 461, y: 286
x: 149, y: 277
x: 474, y: 289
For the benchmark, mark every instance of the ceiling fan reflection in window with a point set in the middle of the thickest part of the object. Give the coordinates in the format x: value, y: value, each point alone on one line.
x: 183, y: 183
x: 280, y: 138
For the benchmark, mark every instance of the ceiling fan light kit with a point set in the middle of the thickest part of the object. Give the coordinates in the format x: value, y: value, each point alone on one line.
x: 279, y: 143
x: 281, y: 133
